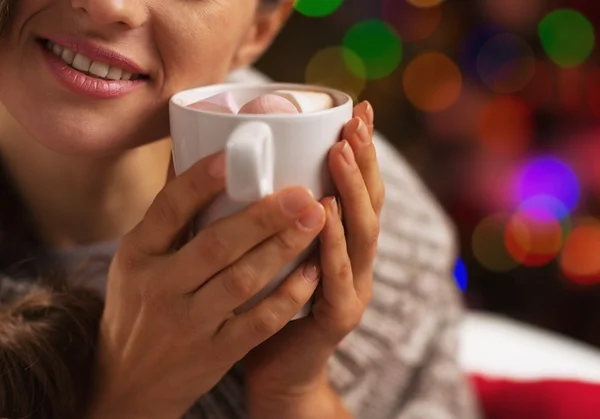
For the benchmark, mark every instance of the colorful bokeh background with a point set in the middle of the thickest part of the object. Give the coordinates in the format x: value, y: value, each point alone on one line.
x: 496, y: 103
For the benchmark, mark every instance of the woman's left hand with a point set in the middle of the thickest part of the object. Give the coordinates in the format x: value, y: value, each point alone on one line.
x: 289, y: 371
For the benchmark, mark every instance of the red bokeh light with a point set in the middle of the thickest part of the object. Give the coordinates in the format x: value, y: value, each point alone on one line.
x: 580, y: 260
x: 533, y: 240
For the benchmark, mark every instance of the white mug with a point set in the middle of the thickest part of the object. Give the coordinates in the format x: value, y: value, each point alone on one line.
x: 263, y: 153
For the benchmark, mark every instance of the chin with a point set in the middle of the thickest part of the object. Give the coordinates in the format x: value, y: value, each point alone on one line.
x: 92, y: 132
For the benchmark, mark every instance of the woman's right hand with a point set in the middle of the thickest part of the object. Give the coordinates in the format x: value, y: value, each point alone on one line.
x: 168, y: 333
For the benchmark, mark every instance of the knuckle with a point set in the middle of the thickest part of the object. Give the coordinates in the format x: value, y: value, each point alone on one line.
x: 239, y: 281
x: 287, y: 242
x: 263, y: 216
x: 372, y: 235
x: 214, y: 248
x: 294, y: 299
x: 194, y: 187
x: 266, y: 322
x: 367, y: 295
x: 339, y: 239
x: 344, y: 270
x: 128, y: 257
x: 165, y: 208
x: 349, y: 319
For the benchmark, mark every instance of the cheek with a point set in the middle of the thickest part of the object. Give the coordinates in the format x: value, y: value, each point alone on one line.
x: 198, y: 54
x: 21, y: 11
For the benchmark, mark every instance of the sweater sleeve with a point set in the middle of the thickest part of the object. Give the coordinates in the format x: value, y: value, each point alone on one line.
x: 402, y: 362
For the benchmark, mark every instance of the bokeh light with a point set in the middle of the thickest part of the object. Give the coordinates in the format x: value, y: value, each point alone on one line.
x: 567, y: 36
x: 533, y: 237
x: 472, y: 45
x: 506, y: 63
x: 488, y: 244
x: 317, y: 8
x: 506, y: 125
x: 412, y: 23
x: 460, y: 275
x: 544, y: 205
x: 579, y: 260
x: 379, y: 47
x: 432, y: 82
x: 548, y: 176
x: 328, y: 68
x: 514, y: 14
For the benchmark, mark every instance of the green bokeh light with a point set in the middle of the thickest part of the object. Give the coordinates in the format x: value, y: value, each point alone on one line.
x: 317, y: 8
x: 567, y: 37
x: 379, y: 47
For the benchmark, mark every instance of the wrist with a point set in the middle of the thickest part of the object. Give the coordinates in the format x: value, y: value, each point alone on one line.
x: 318, y: 400
x: 109, y: 410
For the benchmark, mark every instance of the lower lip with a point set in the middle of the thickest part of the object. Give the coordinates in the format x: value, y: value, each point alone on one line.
x: 85, y: 85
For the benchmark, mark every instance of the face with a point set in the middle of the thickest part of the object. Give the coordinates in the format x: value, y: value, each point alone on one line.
x: 95, y: 76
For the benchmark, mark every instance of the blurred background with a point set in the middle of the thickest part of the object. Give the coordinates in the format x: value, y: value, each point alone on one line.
x: 496, y: 103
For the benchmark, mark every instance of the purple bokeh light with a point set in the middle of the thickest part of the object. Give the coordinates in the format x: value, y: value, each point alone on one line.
x: 548, y: 176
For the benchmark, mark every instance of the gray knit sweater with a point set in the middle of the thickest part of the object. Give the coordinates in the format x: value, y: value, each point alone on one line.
x: 401, y: 361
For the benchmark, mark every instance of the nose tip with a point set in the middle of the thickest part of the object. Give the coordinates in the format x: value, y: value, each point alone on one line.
x: 130, y: 13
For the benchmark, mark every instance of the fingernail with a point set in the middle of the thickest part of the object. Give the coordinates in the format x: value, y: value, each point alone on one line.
x: 333, y: 206
x: 368, y: 109
x: 294, y: 201
x: 313, y: 218
x: 363, y: 132
x: 338, y: 204
x: 311, y: 271
x: 347, y: 153
x: 217, y: 167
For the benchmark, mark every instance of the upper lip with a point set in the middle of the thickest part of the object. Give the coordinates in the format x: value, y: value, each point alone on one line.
x: 97, y: 53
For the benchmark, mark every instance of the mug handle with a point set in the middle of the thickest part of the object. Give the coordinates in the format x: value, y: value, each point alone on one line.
x: 250, y: 162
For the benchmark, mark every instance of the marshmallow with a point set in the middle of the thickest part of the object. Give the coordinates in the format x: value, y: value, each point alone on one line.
x: 222, y: 103
x: 278, y: 102
x: 269, y: 104
x: 306, y: 101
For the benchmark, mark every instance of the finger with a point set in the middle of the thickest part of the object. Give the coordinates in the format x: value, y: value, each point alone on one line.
x: 365, y: 112
x: 226, y: 240
x: 337, y: 284
x: 242, y: 280
x: 360, y: 219
x: 273, y: 313
x: 357, y: 134
x: 176, y: 204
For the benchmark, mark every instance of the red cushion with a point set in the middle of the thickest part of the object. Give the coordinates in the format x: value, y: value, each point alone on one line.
x: 543, y: 399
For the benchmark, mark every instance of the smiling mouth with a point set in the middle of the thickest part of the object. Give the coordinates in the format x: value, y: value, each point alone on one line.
x: 89, y: 67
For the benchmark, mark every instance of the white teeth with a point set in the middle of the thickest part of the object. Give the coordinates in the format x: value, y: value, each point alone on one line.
x: 57, y: 49
x: 114, y: 73
x: 81, y: 63
x: 99, y: 69
x: 68, y: 56
x: 85, y: 65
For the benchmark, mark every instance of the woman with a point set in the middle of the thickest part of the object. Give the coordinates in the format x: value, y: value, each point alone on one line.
x: 85, y: 162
